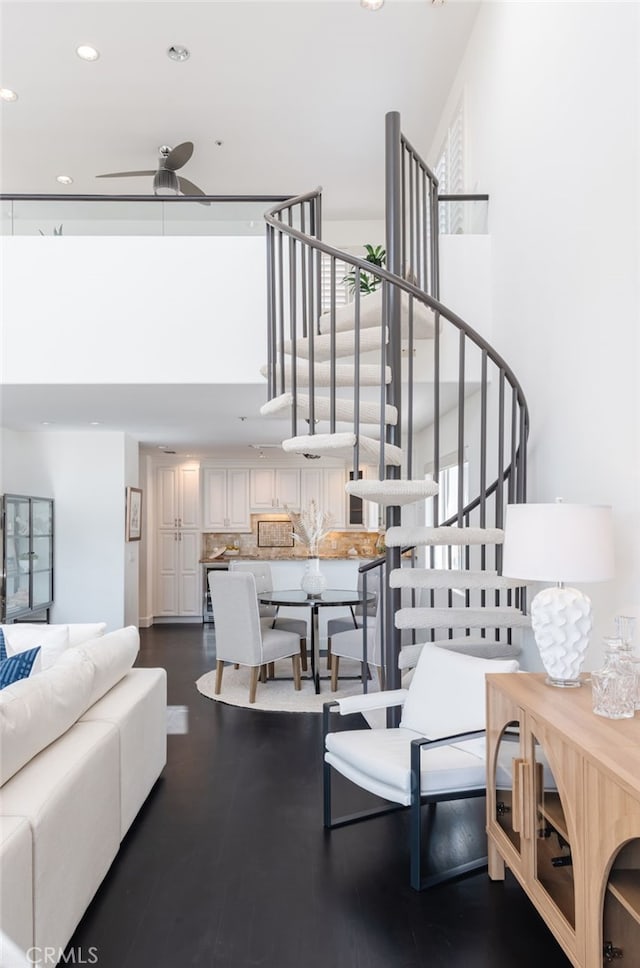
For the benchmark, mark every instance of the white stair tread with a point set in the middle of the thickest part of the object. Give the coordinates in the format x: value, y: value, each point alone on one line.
x: 460, y: 618
x: 395, y: 493
x: 341, y: 445
x: 370, y: 374
x: 405, y: 535
x: 449, y: 578
x: 467, y: 645
x: 370, y: 340
x: 369, y: 411
x: 371, y: 315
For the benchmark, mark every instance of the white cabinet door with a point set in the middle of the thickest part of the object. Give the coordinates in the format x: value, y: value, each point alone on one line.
x: 178, y: 573
x: 226, y: 500
x: 335, y: 498
x: 262, y: 487
x: 166, y: 497
x: 312, y: 487
x: 189, y: 496
x: 238, y: 511
x: 178, y: 496
x: 189, y: 573
x: 214, y: 484
x: 272, y: 488
x: 287, y: 487
x: 326, y: 487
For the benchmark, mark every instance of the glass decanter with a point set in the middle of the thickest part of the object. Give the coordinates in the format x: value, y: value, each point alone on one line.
x: 613, y: 687
x: 625, y: 630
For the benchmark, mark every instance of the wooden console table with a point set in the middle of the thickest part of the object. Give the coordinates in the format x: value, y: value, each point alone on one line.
x: 563, y: 813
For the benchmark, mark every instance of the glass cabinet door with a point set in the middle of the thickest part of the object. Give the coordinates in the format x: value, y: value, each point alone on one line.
x: 42, y: 553
x: 27, y: 555
x: 553, y: 862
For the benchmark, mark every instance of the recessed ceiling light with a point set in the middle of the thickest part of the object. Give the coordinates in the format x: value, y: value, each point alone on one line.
x: 371, y: 4
x: 87, y: 53
x: 178, y: 53
x: 7, y: 94
x: 162, y: 446
x: 45, y: 423
x: 64, y: 179
x: 94, y: 423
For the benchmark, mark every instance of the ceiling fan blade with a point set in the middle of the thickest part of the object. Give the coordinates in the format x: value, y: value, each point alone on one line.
x: 188, y: 188
x: 126, y: 174
x: 178, y: 156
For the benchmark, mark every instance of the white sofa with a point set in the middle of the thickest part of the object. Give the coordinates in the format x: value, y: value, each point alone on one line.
x: 81, y: 745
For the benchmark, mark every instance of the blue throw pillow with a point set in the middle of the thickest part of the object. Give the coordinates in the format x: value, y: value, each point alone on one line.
x: 17, y: 666
x: 3, y: 647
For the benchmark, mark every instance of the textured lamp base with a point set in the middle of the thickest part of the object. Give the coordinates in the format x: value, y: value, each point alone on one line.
x: 562, y: 622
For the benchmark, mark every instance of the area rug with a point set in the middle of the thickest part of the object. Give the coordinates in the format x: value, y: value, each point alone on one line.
x: 278, y: 694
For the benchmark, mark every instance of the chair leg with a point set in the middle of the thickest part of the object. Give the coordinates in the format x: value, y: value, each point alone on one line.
x: 329, y: 654
x: 415, y: 825
x: 335, y: 666
x: 295, y: 659
x: 303, y: 654
x: 253, y: 683
x: 236, y: 665
x: 271, y: 670
x: 381, y: 677
x: 263, y: 673
x: 219, y: 668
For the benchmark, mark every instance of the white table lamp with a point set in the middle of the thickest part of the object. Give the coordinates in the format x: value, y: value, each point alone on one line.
x: 560, y: 543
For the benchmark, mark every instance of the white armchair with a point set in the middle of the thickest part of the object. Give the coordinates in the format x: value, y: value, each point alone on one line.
x: 240, y: 636
x: 436, y: 753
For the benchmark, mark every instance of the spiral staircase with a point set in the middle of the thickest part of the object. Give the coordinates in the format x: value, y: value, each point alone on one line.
x: 392, y: 379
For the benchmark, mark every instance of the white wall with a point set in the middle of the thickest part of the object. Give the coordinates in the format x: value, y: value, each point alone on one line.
x: 126, y: 310
x: 85, y: 474
x: 551, y: 93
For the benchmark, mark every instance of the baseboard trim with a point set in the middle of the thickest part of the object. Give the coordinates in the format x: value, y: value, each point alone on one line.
x: 146, y: 622
x: 177, y: 620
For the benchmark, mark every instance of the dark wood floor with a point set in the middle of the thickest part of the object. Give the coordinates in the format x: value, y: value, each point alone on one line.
x: 228, y: 866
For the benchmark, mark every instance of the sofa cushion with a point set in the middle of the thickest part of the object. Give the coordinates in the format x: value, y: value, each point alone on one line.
x: 70, y: 795
x: 16, y: 888
x: 19, y: 666
x: 137, y: 706
x: 34, y: 712
x: 53, y: 639
x: 112, y: 656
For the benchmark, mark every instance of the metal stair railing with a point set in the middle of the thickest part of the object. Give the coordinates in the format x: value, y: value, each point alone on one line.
x: 477, y: 405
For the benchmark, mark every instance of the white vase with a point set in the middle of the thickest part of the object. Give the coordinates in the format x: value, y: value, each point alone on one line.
x: 313, y: 581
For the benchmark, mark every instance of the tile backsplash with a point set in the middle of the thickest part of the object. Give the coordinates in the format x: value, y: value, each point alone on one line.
x: 337, y: 544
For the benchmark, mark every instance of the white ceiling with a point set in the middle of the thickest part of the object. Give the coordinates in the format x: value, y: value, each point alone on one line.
x: 296, y: 91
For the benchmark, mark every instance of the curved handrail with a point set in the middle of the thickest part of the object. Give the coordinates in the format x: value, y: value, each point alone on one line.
x: 398, y: 281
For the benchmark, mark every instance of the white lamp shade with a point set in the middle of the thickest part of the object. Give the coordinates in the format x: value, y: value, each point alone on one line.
x: 558, y: 542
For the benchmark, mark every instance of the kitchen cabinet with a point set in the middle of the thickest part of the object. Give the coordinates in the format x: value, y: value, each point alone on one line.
x: 27, y: 555
x: 563, y: 813
x: 274, y: 487
x: 178, y: 574
x: 226, y: 500
x: 178, y: 496
x: 325, y: 486
x: 177, y: 541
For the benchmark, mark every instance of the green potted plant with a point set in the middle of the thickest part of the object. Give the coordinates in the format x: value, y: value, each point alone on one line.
x: 376, y: 255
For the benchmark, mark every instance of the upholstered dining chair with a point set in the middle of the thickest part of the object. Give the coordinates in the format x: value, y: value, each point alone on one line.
x: 261, y: 571
x: 240, y: 636
x: 355, y: 620
x: 349, y: 645
x: 436, y: 753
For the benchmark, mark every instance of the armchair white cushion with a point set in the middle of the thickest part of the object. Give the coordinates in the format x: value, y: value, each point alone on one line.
x: 436, y: 753
x: 240, y: 636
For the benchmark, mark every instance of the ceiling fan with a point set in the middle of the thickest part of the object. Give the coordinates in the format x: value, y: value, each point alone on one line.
x: 165, y: 180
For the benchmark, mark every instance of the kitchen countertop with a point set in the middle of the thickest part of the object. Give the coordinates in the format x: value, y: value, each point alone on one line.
x: 223, y: 559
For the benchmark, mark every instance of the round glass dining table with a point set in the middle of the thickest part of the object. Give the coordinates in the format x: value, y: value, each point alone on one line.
x: 329, y: 598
